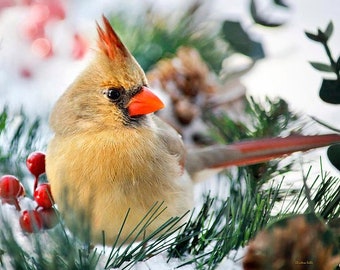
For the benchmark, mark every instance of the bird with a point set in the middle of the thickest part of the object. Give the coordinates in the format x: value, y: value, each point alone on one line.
x: 111, y: 159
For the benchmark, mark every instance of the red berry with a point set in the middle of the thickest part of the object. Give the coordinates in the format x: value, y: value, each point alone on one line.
x: 43, y: 196
x: 12, y: 201
x: 42, y: 47
x: 80, y: 46
x: 10, y: 187
x: 25, y: 73
x: 49, y: 217
x: 36, y: 163
x: 31, y: 221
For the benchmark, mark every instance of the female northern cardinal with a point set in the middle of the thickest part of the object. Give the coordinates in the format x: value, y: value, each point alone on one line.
x: 111, y: 154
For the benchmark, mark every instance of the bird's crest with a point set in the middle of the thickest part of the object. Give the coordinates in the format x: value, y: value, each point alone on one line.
x: 109, y: 42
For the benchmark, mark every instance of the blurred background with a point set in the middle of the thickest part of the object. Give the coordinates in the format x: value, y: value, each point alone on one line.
x: 45, y: 44
x: 227, y: 49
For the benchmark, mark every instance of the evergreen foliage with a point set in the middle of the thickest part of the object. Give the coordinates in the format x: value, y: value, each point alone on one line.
x: 222, y: 223
x: 254, y: 196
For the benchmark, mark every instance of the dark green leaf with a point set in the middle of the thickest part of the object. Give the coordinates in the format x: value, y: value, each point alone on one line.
x: 338, y: 65
x: 240, y: 41
x: 257, y: 51
x: 322, y: 36
x: 330, y: 91
x: 333, y: 154
x: 313, y: 36
x: 253, y: 9
x: 260, y: 18
x: 280, y: 3
x: 266, y: 22
x: 321, y: 66
x: 329, y: 30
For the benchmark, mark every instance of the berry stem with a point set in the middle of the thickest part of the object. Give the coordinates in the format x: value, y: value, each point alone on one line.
x: 16, y: 204
x: 35, y: 183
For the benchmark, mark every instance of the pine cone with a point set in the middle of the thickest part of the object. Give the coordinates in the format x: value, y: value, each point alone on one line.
x: 300, y: 242
x: 191, y: 89
x: 184, y: 75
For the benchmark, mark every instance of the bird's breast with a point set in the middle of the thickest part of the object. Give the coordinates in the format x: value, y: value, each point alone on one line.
x: 105, y: 175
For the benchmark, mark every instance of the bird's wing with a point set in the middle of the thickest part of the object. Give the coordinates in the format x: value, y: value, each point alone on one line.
x: 171, y: 139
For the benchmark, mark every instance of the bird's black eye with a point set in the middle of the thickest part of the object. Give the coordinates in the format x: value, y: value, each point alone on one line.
x: 114, y: 94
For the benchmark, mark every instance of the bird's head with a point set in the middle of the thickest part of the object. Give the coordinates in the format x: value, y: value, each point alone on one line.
x: 111, y: 92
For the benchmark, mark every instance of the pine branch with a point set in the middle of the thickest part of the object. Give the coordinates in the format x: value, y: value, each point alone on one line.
x: 127, y: 254
x: 19, y: 136
x: 221, y: 224
x: 152, y: 37
x: 268, y: 119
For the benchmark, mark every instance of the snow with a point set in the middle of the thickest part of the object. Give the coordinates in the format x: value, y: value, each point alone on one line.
x: 35, y: 82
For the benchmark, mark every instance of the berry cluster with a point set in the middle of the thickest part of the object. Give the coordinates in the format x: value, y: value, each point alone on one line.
x: 11, y: 191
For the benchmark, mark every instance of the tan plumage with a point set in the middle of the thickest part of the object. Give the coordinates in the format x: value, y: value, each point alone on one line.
x: 110, y: 153
x: 101, y: 163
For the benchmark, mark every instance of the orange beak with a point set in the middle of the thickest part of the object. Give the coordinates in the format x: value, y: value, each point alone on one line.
x: 144, y: 102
